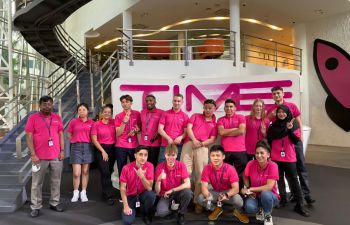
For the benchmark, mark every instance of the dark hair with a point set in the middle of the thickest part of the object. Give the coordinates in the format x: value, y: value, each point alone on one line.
x: 263, y: 144
x: 141, y: 147
x: 217, y: 148
x: 209, y: 101
x: 277, y: 88
x: 126, y: 97
x: 230, y: 101
x: 179, y: 95
x: 150, y: 96
x: 45, y: 98
x: 84, y: 105
x: 107, y: 106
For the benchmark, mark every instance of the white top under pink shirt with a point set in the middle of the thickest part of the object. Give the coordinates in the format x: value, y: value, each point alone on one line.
x: 202, y: 129
x: 105, y: 133
x: 174, y: 124
x: 253, y: 133
x: 232, y: 143
x: 150, y: 121
x: 124, y: 141
x: 38, y: 124
x: 80, y: 130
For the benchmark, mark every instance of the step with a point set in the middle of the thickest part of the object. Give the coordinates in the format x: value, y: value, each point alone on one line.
x: 10, y: 168
x: 10, y: 193
x: 11, y: 200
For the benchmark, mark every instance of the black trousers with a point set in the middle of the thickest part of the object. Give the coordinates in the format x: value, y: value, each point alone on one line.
x: 153, y: 155
x: 289, y: 169
x: 106, y: 169
x: 239, y: 160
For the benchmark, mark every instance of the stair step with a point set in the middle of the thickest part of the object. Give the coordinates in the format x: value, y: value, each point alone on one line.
x: 10, y: 168
x: 10, y: 193
x: 7, y: 205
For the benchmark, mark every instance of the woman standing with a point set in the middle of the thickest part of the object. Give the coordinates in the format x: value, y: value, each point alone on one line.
x: 256, y: 127
x: 79, y: 131
x: 103, y: 137
x: 260, y: 178
x: 282, y: 135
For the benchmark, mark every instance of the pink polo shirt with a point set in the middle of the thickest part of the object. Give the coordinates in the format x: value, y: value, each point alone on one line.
x: 40, y: 132
x: 221, y: 179
x: 258, y: 177
x: 80, y: 131
x: 123, y: 139
x: 134, y: 184
x: 292, y: 107
x: 253, y: 133
x: 232, y: 143
x: 105, y: 133
x: 174, y: 124
x: 150, y: 122
x: 202, y: 129
x: 288, y: 147
x: 174, y: 176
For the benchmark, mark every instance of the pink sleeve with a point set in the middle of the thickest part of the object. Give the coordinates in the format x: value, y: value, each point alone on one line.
x: 60, y: 124
x: 219, y: 123
x: 70, y: 126
x: 124, y: 176
x: 117, y: 121
x: 185, y: 121
x: 158, y: 171
x: 192, y: 119
x: 184, y: 173
x: 241, y: 120
x: 295, y: 110
x: 214, y: 131
x: 94, y: 129
x: 247, y: 169
x: 205, y: 174
x: 232, y: 175
x: 138, y: 119
x: 273, y: 172
x: 30, y: 124
x: 150, y: 172
x: 162, y: 118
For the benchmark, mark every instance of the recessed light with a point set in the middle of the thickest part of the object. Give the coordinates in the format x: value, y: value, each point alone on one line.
x: 270, y: 39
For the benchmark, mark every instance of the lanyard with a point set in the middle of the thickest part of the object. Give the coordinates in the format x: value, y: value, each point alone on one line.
x: 282, y: 145
x: 148, y: 120
x: 218, y: 182
x: 46, y: 125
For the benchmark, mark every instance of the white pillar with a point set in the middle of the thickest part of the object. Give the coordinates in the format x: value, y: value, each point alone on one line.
x: 235, y: 26
x: 127, y: 26
x: 10, y: 63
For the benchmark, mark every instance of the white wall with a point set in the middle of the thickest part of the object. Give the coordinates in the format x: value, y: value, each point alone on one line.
x: 335, y: 29
x: 93, y: 15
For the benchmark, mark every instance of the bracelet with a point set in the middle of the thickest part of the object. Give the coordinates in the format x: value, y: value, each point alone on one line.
x: 172, y: 191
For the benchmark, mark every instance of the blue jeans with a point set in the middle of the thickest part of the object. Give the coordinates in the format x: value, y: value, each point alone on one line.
x: 121, y: 156
x: 146, y: 199
x: 267, y: 200
x: 162, y: 151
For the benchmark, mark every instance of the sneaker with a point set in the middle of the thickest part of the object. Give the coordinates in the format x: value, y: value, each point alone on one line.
x: 34, y: 213
x: 215, y: 214
x: 198, y: 209
x: 75, y: 197
x: 146, y: 220
x: 241, y: 216
x: 268, y: 220
x: 300, y: 209
x: 83, y: 197
x: 260, y: 215
x: 180, y: 219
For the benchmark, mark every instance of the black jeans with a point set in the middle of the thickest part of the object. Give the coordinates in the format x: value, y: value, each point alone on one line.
x: 106, y: 169
x: 239, y: 160
x: 289, y: 169
x: 153, y: 155
x: 122, y: 155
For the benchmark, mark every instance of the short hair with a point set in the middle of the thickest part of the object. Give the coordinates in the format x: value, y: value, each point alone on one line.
x: 209, y: 101
x: 217, y: 148
x: 141, y: 147
x: 84, y: 105
x: 277, y: 88
x: 172, y: 148
x: 45, y: 98
x: 126, y: 97
x: 150, y: 96
x: 263, y: 144
x: 179, y: 95
x: 110, y: 106
x: 230, y: 101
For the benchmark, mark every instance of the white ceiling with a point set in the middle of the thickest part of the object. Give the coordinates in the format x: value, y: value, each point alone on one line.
x: 154, y: 14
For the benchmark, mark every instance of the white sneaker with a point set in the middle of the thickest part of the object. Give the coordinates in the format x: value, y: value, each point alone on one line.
x: 83, y: 196
x: 260, y: 215
x: 75, y: 196
x: 268, y: 220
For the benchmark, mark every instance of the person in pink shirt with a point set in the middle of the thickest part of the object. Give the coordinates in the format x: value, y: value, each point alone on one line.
x: 202, y: 132
x: 103, y: 137
x: 136, y: 181
x: 282, y: 134
x: 224, y: 181
x: 172, y: 127
x: 79, y: 133
x: 127, y: 125
x: 260, y: 184
x: 149, y: 129
x: 45, y: 141
x: 256, y: 127
x: 232, y: 128
x: 173, y: 186
x: 278, y: 97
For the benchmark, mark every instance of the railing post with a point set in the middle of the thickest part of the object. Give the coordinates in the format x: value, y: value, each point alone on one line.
x: 276, y: 55
x: 60, y: 107
x: 232, y: 47
x: 131, y: 53
x: 19, y: 147
x: 244, y: 51
x: 186, y: 48
x: 78, y: 91
x: 101, y: 87
x: 92, y: 104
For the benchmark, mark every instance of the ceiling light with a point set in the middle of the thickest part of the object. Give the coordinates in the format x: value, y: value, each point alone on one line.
x: 92, y: 34
x: 270, y: 39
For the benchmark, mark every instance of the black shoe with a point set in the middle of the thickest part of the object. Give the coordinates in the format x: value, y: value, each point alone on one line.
x: 292, y: 199
x: 147, y: 220
x: 309, y: 200
x: 301, y: 210
x: 180, y: 219
x: 34, y: 213
x: 169, y: 217
x: 56, y: 208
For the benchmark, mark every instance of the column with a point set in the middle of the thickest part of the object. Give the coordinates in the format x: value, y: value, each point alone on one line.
x: 235, y: 26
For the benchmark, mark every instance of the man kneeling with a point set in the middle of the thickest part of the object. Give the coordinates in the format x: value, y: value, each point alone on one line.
x: 136, y: 181
x: 172, y: 185
x: 224, y: 180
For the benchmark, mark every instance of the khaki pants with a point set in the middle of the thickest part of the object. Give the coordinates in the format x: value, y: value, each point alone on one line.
x: 55, y: 170
x: 195, y: 160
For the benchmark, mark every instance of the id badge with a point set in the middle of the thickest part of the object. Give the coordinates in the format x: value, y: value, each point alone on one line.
x: 129, y: 139
x: 138, y: 204
x: 283, y: 154
x: 50, y: 143
x: 146, y: 138
x: 219, y: 204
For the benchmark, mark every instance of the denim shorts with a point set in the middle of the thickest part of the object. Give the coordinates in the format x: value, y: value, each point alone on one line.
x: 81, y: 153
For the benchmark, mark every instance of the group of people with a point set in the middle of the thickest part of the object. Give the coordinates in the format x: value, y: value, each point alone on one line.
x: 170, y: 158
